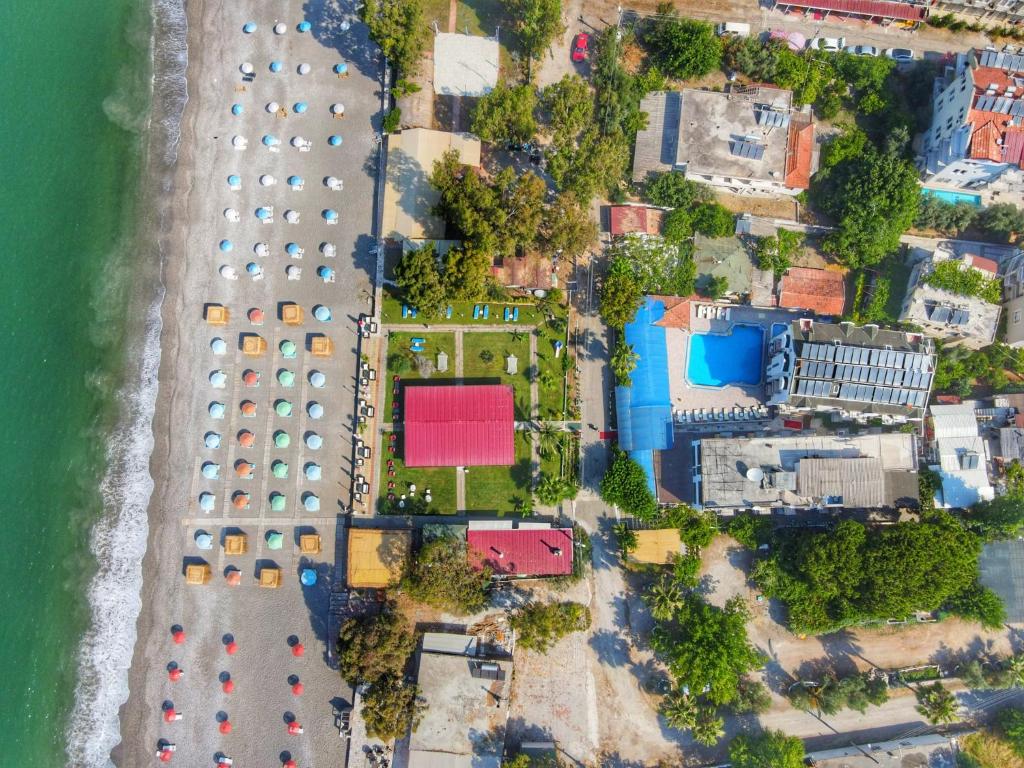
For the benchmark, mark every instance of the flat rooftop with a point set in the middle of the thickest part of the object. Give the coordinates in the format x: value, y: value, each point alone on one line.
x: 465, y: 65
x: 464, y: 722
x: 376, y: 557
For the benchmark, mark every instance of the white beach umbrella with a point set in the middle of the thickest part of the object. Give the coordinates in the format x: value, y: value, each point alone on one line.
x: 293, y: 272
x: 328, y: 250
x: 292, y: 217
x: 261, y: 249
x: 231, y: 214
x: 228, y: 272
x: 273, y: 106
x: 239, y: 142
x: 304, y: 69
x: 247, y: 68
x: 267, y: 180
x: 332, y: 182
x: 297, y: 141
x: 338, y: 109
x: 218, y: 345
x: 280, y: 28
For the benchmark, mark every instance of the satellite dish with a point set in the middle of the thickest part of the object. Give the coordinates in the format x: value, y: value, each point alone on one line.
x: 755, y: 474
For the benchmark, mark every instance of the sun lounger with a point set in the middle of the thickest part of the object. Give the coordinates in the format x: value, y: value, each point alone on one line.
x: 448, y: 313
x: 508, y: 314
x: 476, y: 311
x: 418, y: 340
x: 487, y: 311
x: 515, y: 314
x: 405, y: 311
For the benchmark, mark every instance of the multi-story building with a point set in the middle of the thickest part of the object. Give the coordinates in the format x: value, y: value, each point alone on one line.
x: 1013, y: 299
x: 976, y: 139
x: 855, y: 372
x: 988, y: 10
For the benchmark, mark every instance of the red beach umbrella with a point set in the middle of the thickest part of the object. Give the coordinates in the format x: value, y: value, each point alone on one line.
x: 225, y: 727
x: 165, y: 755
x: 297, y: 689
x: 298, y: 649
x: 169, y: 715
x: 294, y: 729
x: 289, y: 763
x: 175, y: 674
x: 229, y: 686
x: 178, y: 636
x: 231, y: 648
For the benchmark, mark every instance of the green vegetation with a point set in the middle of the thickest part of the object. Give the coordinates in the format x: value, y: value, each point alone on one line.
x: 674, y: 190
x: 506, y: 114
x: 948, y: 218
x: 959, y: 369
x: 485, y: 357
x: 623, y: 362
x: 392, y: 120
x: 419, y: 279
x: 936, y: 704
x: 657, y: 266
x: 537, y: 23
x: 400, y: 30
x: 950, y: 275
x: 403, y: 362
x: 878, y: 292
x: 1002, y: 220
x: 462, y: 312
x: 714, y: 220
x: 1011, y: 725
x: 682, y: 48
x: 441, y: 575
x: 621, y: 295
x: 568, y: 108
x: 1000, y: 518
x: 771, y: 749
x: 716, y: 287
x: 624, y: 485
x: 440, y: 481
x: 853, y: 574
x: 834, y: 694
x: 502, y: 490
x: 752, y: 697
x: 775, y: 253
x: 566, y: 228
x: 541, y: 625
x: 391, y: 708
x: 751, y: 530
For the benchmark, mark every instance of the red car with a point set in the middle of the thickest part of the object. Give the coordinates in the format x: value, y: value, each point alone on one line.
x: 579, y: 47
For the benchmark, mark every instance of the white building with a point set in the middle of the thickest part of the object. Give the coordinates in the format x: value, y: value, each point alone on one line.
x: 961, y: 455
x: 1013, y: 299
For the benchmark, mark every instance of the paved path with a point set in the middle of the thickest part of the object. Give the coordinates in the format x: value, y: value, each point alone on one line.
x: 446, y: 328
x: 458, y: 354
x: 460, y: 490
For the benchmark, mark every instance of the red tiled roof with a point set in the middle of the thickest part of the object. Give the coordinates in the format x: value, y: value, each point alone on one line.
x: 1013, y: 145
x: 677, y: 310
x: 459, y: 426
x: 985, y: 76
x: 799, y: 155
x: 626, y: 219
x: 819, y: 290
x: 532, y: 271
x: 870, y: 8
x: 985, y: 140
x: 980, y: 262
x: 522, y: 551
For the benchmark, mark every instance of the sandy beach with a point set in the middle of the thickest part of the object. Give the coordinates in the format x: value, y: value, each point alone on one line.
x: 261, y: 621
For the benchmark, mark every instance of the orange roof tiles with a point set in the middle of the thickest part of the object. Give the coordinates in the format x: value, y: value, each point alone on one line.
x: 980, y: 262
x: 624, y: 219
x: 677, y: 311
x: 799, y: 155
x: 819, y: 290
x: 985, y: 141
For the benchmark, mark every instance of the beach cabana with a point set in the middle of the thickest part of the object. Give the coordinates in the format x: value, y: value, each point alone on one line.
x: 282, y: 439
x: 236, y: 544
x: 317, y: 380
x: 328, y: 249
x: 198, y: 574
x: 314, y: 442
x: 321, y: 346
x: 216, y: 314
x: 376, y: 558
x: 291, y: 314
x: 309, y: 544
x: 253, y: 344
x: 270, y: 577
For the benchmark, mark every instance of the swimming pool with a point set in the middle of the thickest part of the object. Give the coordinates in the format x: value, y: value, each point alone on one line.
x: 715, y: 360
x: 948, y: 196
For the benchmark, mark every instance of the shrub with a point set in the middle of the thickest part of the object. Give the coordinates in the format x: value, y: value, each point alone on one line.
x: 541, y: 625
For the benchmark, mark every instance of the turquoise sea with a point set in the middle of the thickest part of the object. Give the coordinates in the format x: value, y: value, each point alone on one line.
x: 77, y: 80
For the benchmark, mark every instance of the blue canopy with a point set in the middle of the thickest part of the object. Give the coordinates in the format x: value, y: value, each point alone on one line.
x: 308, y: 577
x: 262, y: 213
x: 226, y: 245
x: 314, y: 441
x: 236, y: 109
x: 315, y: 411
x: 234, y: 180
x: 304, y: 26
x: 330, y: 214
x: 292, y: 248
x: 249, y: 27
x: 334, y: 141
x: 300, y: 107
x: 252, y: 268
x: 324, y: 271
x: 340, y: 69
x: 275, y: 66
x: 212, y: 440
x: 313, y: 471
x: 322, y: 313
x: 217, y: 410
x: 295, y: 181
x: 269, y: 140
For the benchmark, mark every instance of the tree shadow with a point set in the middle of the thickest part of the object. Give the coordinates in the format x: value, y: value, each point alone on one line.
x: 317, y: 598
x: 353, y: 44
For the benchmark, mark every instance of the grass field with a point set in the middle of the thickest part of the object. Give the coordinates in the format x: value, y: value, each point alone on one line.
x: 462, y: 313
x: 991, y: 751
x: 496, y: 489
x: 440, y: 481
x: 499, y: 346
x: 549, y: 368
x: 399, y: 343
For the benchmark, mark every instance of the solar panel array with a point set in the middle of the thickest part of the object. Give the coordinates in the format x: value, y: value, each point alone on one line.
x: 1002, y: 60
x: 747, y: 149
x: 1002, y: 104
x: 771, y: 118
x: 940, y: 313
x: 862, y: 374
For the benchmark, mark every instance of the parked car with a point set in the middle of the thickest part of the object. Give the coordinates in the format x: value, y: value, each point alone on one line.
x: 829, y: 44
x: 900, y: 54
x: 580, y: 44
x: 733, y: 29
x: 862, y: 50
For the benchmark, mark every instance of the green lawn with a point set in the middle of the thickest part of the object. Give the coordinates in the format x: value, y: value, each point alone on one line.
x: 549, y: 369
x: 399, y: 343
x: 499, y: 346
x: 440, y: 481
x: 496, y: 489
x: 462, y: 313
x: 562, y: 462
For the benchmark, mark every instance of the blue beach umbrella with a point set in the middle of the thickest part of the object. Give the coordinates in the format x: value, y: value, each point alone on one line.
x: 237, y: 109
x: 226, y: 245
x: 308, y: 577
x: 317, y: 380
x: 314, y: 442
x: 311, y: 502
x: 341, y: 69
x: 252, y: 268
x: 262, y: 213
x: 322, y: 313
x: 269, y: 140
x: 295, y: 181
x: 315, y: 410
x: 304, y: 26
x: 249, y: 27
x: 216, y: 410
x: 218, y: 378
x: 204, y: 540
x: 324, y: 272
x: 329, y: 214
x: 299, y: 107
x: 212, y: 440
x: 211, y: 471
x: 292, y: 249
x: 276, y: 66
x: 207, y: 501
x: 219, y: 346
x: 313, y: 471
x: 234, y: 180
x: 334, y: 141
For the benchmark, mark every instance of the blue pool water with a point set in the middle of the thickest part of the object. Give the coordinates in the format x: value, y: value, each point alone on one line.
x: 778, y: 328
x: 717, y: 360
x: 954, y: 197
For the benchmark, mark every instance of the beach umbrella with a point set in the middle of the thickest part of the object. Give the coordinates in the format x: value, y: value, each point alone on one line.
x: 262, y: 213
x: 204, y: 540
x: 293, y: 272
x: 237, y: 109
x: 313, y: 441
x: 275, y: 540
x: 329, y: 214
x: 178, y: 635
x: 246, y: 439
x: 292, y: 217
x: 325, y: 273
x: 287, y: 348
x: 270, y: 140
x: 211, y: 471
x: 304, y: 26
x: 304, y: 69
x: 251, y: 378
x: 228, y: 272
x: 317, y: 379
x: 297, y: 141
x: 169, y: 714
x: 311, y: 503
x: 292, y: 249
x: 266, y: 180
x: 234, y: 180
x: 286, y: 378
x: 249, y: 27
x: 165, y: 755
x: 282, y: 439
x: 328, y: 250
x: 298, y: 650
x: 218, y: 379
x: 280, y: 28
x: 338, y: 108
x: 294, y: 729
x: 212, y: 440
x: 331, y: 182
x: 225, y: 245
x: 279, y: 469
x: 322, y: 313
x: 299, y: 107
x: 233, y: 577
x: 225, y: 728
x: 244, y: 469
x: 256, y: 316
x: 247, y: 68
x: 334, y: 141
x: 216, y: 410
x: 254, y: 269
x: 308, y: 577
x: 261, y: 249
x: 276, y: 66
x: 248, y: 408
x: 228, y: 686
x: 218, y: 346
x: 207, y: 501
x: 231, y: 214
x: 239, y: 142
x: 283, y: 408
x: 278, y: 502
x: 174, y: 674
x: 289, y: 763
x: 315, y: 411
x: 313, y: 471
x: 295, y: 181
x: 341, y: 68
x: 240, y: 500
x: 231, y: 648
x: 273, y: 106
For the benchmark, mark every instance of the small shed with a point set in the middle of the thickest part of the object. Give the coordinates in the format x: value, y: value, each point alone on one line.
x: 442, y: 361
x: 217, y: 314
x: 197, y: 574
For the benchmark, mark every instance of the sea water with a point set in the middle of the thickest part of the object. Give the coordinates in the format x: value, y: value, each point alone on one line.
x: 79, y: 322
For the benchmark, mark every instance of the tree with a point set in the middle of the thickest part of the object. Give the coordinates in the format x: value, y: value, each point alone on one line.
x: 625, y: 485
x: 419, y: 279
x: 709, y: 727
x: 626, y: 537
x: 706, y: 647
x: 715, y: 287
x: 751, y: 697
x: 567, y: 227
x: 621, y: 295
x: 1000, y: 518
x: 553, y: 490
x: 623, y: 362
x: 506, y: 115
x: 664, y: 597
x: 550, y: 440
x: 774, y: 254
x: 948, y: 218
x: 682, y: 48
x: 697, y: 528
x: 370, y: 647
x: 981, y: 604
x: 595, y: 162
x: 441, y: 575
x: 677, y: 225
x: 679, y: 709
x: 397, y: 26
x: 541, y: 625
x: 1015, y: 671
x: 673, y: 190
x: 1011, y: 723
x: 659, y: 266
x: 391, y: 708
x: 771, y: 749
x: 714, y: 220
x: 936, y: 704
x: 537, y: 23
x: 1002, y: 220
x: 466, y: 270
x: 568, y: 106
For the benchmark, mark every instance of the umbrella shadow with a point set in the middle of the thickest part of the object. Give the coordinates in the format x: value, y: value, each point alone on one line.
x: 317, y: 598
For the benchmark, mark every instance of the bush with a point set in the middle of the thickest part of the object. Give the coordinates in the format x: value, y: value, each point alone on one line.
x: 752, y: 697
x: 625, y: 485
x: 683, y: 48
x: 391, y: 708
x: 771, y: 749
x: 674, y: 190
x: 441, y: 575
x: 750, y: 530
x: 541, y: 625
x: 399, y: 362
x: 951, y: 275
x: 392, y: 120
x: 370, y: 647
x: 1011, y: 723
x: 979, y: 603
x: 714, y: 220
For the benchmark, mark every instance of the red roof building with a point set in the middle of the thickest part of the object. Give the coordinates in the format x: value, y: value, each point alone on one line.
x: 630, y: 219
x: 799, y: 153
x: 459, y: 426
x: 874, y: 10
x: 820, y: 290
x: 522, y: 552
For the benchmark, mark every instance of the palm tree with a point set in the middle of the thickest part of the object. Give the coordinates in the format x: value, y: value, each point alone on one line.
x: 546, y: 379
x: 708, y: 728
x: 664, y: 598
x: 1015, y: 671
x: 550, y: 440
x: 679, y: 709
x: 937, y: 704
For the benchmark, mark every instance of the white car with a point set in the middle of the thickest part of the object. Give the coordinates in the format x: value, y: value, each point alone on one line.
x: 829, y: 44
x: 900, y: 54
x: 862, y: 50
